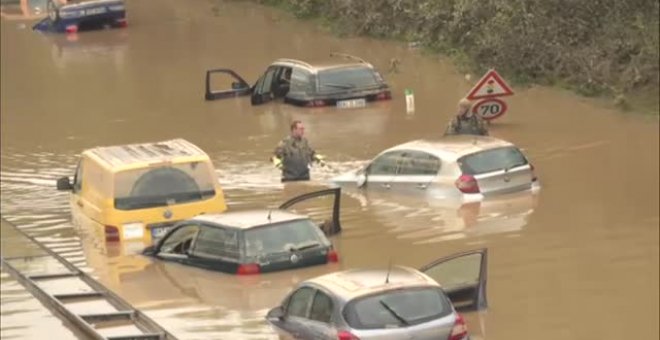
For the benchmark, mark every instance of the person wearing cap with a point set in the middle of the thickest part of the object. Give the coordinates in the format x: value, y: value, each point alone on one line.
x: 293, y: 155
x: 466, y: 122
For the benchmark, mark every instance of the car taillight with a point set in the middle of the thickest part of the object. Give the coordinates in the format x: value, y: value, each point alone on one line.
x: 346, y: 335
x: 333, y: 256
x: 459, y: 331
x: 111, y: 233
x: 467, y: 184
x: 122, y: 23
x: 71, y: 29
x: 531, y: 168
x: 384, y: 95
x: 248, y: 269
x: 316, y: 103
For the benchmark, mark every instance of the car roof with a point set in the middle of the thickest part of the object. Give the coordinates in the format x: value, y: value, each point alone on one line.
x: 86, y: 3
x: 248, y: 219
x: 123, y: 157
x: 454, y: 146
x: 354, y: 283
x: 322, y: 65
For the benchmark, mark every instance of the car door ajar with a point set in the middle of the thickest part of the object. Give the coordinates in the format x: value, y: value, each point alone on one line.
x: 239, y: 87
x: 176, y: 244
x: 329, y: 227
x: 463, y: 277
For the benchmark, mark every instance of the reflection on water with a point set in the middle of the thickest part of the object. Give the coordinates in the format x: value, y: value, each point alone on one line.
x: 560, y: 264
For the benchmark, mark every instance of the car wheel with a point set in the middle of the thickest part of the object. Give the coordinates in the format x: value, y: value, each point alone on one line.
x: 53, y: 11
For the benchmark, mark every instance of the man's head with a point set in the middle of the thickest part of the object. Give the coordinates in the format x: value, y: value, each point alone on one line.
x: 297, y: 129
x: 464, y: 106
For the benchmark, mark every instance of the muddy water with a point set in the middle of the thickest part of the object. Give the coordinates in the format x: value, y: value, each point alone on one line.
x: 579, y: 261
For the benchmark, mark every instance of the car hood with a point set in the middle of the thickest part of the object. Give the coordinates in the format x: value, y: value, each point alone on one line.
x: 346, y: 178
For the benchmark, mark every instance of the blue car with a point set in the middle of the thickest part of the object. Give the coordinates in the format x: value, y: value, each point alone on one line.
x: 83, y: 15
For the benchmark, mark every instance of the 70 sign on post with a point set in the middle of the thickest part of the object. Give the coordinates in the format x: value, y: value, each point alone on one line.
x: 490, y: 86
x: 490, y: 108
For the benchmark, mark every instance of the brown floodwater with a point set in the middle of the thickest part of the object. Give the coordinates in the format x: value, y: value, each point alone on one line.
x: 577, y: 261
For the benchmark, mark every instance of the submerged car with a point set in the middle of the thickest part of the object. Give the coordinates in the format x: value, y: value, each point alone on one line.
x: 136, y: 192
x: 347, y: 84
x: 395, y: 303
x: 83, y: 15
x: 251, y: 241
x: 467, y: 168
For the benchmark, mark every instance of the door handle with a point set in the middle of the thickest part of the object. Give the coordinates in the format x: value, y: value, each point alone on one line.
x: 79, y: 203
x: 386, y: 185
x: 421, y: 186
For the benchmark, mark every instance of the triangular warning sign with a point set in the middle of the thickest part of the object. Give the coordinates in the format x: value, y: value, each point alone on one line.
x: 490, y: 85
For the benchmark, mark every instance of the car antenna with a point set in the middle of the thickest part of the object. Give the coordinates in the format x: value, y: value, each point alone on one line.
x: 389, y: 269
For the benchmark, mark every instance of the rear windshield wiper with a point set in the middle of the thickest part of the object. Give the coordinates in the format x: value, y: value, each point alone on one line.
x: 341, y: 86
x: 304, y: 246
x: 394, y: 313
x: 509, y: 167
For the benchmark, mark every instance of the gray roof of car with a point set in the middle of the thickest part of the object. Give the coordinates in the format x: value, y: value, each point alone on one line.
x: 353, y: 283
x: 124, y: 155
x: 453, y: 146
x: 247, y: 219
x: 323, y: 64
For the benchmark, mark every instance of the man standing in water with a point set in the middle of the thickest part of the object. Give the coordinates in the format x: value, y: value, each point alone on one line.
x: 466, y: 122
x: 294, y: 155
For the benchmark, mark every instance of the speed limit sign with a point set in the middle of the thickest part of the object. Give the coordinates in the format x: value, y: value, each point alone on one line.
x: 490, y: 108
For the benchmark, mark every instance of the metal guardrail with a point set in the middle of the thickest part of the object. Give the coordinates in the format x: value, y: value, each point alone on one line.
x: 88, y: 323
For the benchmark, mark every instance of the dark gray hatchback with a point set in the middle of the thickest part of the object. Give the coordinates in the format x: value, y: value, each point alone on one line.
x: 349, y: 84
x: 251, y: 241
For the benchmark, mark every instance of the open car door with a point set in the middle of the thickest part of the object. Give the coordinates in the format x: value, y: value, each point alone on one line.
x: 462, y: 277
x: 239, y: 87
x: 330, y: 227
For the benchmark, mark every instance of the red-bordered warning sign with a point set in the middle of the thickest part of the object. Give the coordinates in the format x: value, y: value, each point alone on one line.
x: 489, y: 86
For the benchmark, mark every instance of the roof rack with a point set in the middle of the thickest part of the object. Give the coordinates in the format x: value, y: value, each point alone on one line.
x: 348, y: 56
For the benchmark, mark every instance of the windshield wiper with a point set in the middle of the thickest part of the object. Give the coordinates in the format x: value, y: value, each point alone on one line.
x: 304, y: 246
x: 394, y: 313
x: 341, y: 86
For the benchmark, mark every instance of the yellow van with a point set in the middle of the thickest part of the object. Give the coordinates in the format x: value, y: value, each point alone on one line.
x: 137, y: 192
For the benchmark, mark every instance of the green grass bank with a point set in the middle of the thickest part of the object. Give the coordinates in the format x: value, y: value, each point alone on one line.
x: 594, y: 47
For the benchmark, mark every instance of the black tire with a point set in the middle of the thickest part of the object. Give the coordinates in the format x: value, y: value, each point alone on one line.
x: 53, y: 11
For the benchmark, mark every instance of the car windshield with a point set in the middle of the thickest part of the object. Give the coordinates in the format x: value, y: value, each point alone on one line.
x: 284, y: 237
x: 492, y: 160
x: 341, y: 79
x: 397, y: 308
x: 164, y: 185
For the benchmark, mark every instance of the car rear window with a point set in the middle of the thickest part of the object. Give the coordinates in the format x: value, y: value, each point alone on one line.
x: 163, y: 186
x: 339, y: 79
x: 397, y: 308
x: 283, y: 237
x: 491, y: 160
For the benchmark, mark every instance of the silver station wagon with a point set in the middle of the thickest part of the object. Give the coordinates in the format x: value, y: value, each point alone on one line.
x: 393, y: 303
x: 463, y: 167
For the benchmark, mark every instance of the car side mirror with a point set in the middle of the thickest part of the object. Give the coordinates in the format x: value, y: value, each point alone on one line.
x: 361, y: 177
x: 276, y: 314
x: 64, y: 184
x: 237, y: 85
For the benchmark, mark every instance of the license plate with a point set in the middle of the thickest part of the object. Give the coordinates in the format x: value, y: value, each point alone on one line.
x: 351, y: 103
x: 158, y: 232
x: 93, y: 11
